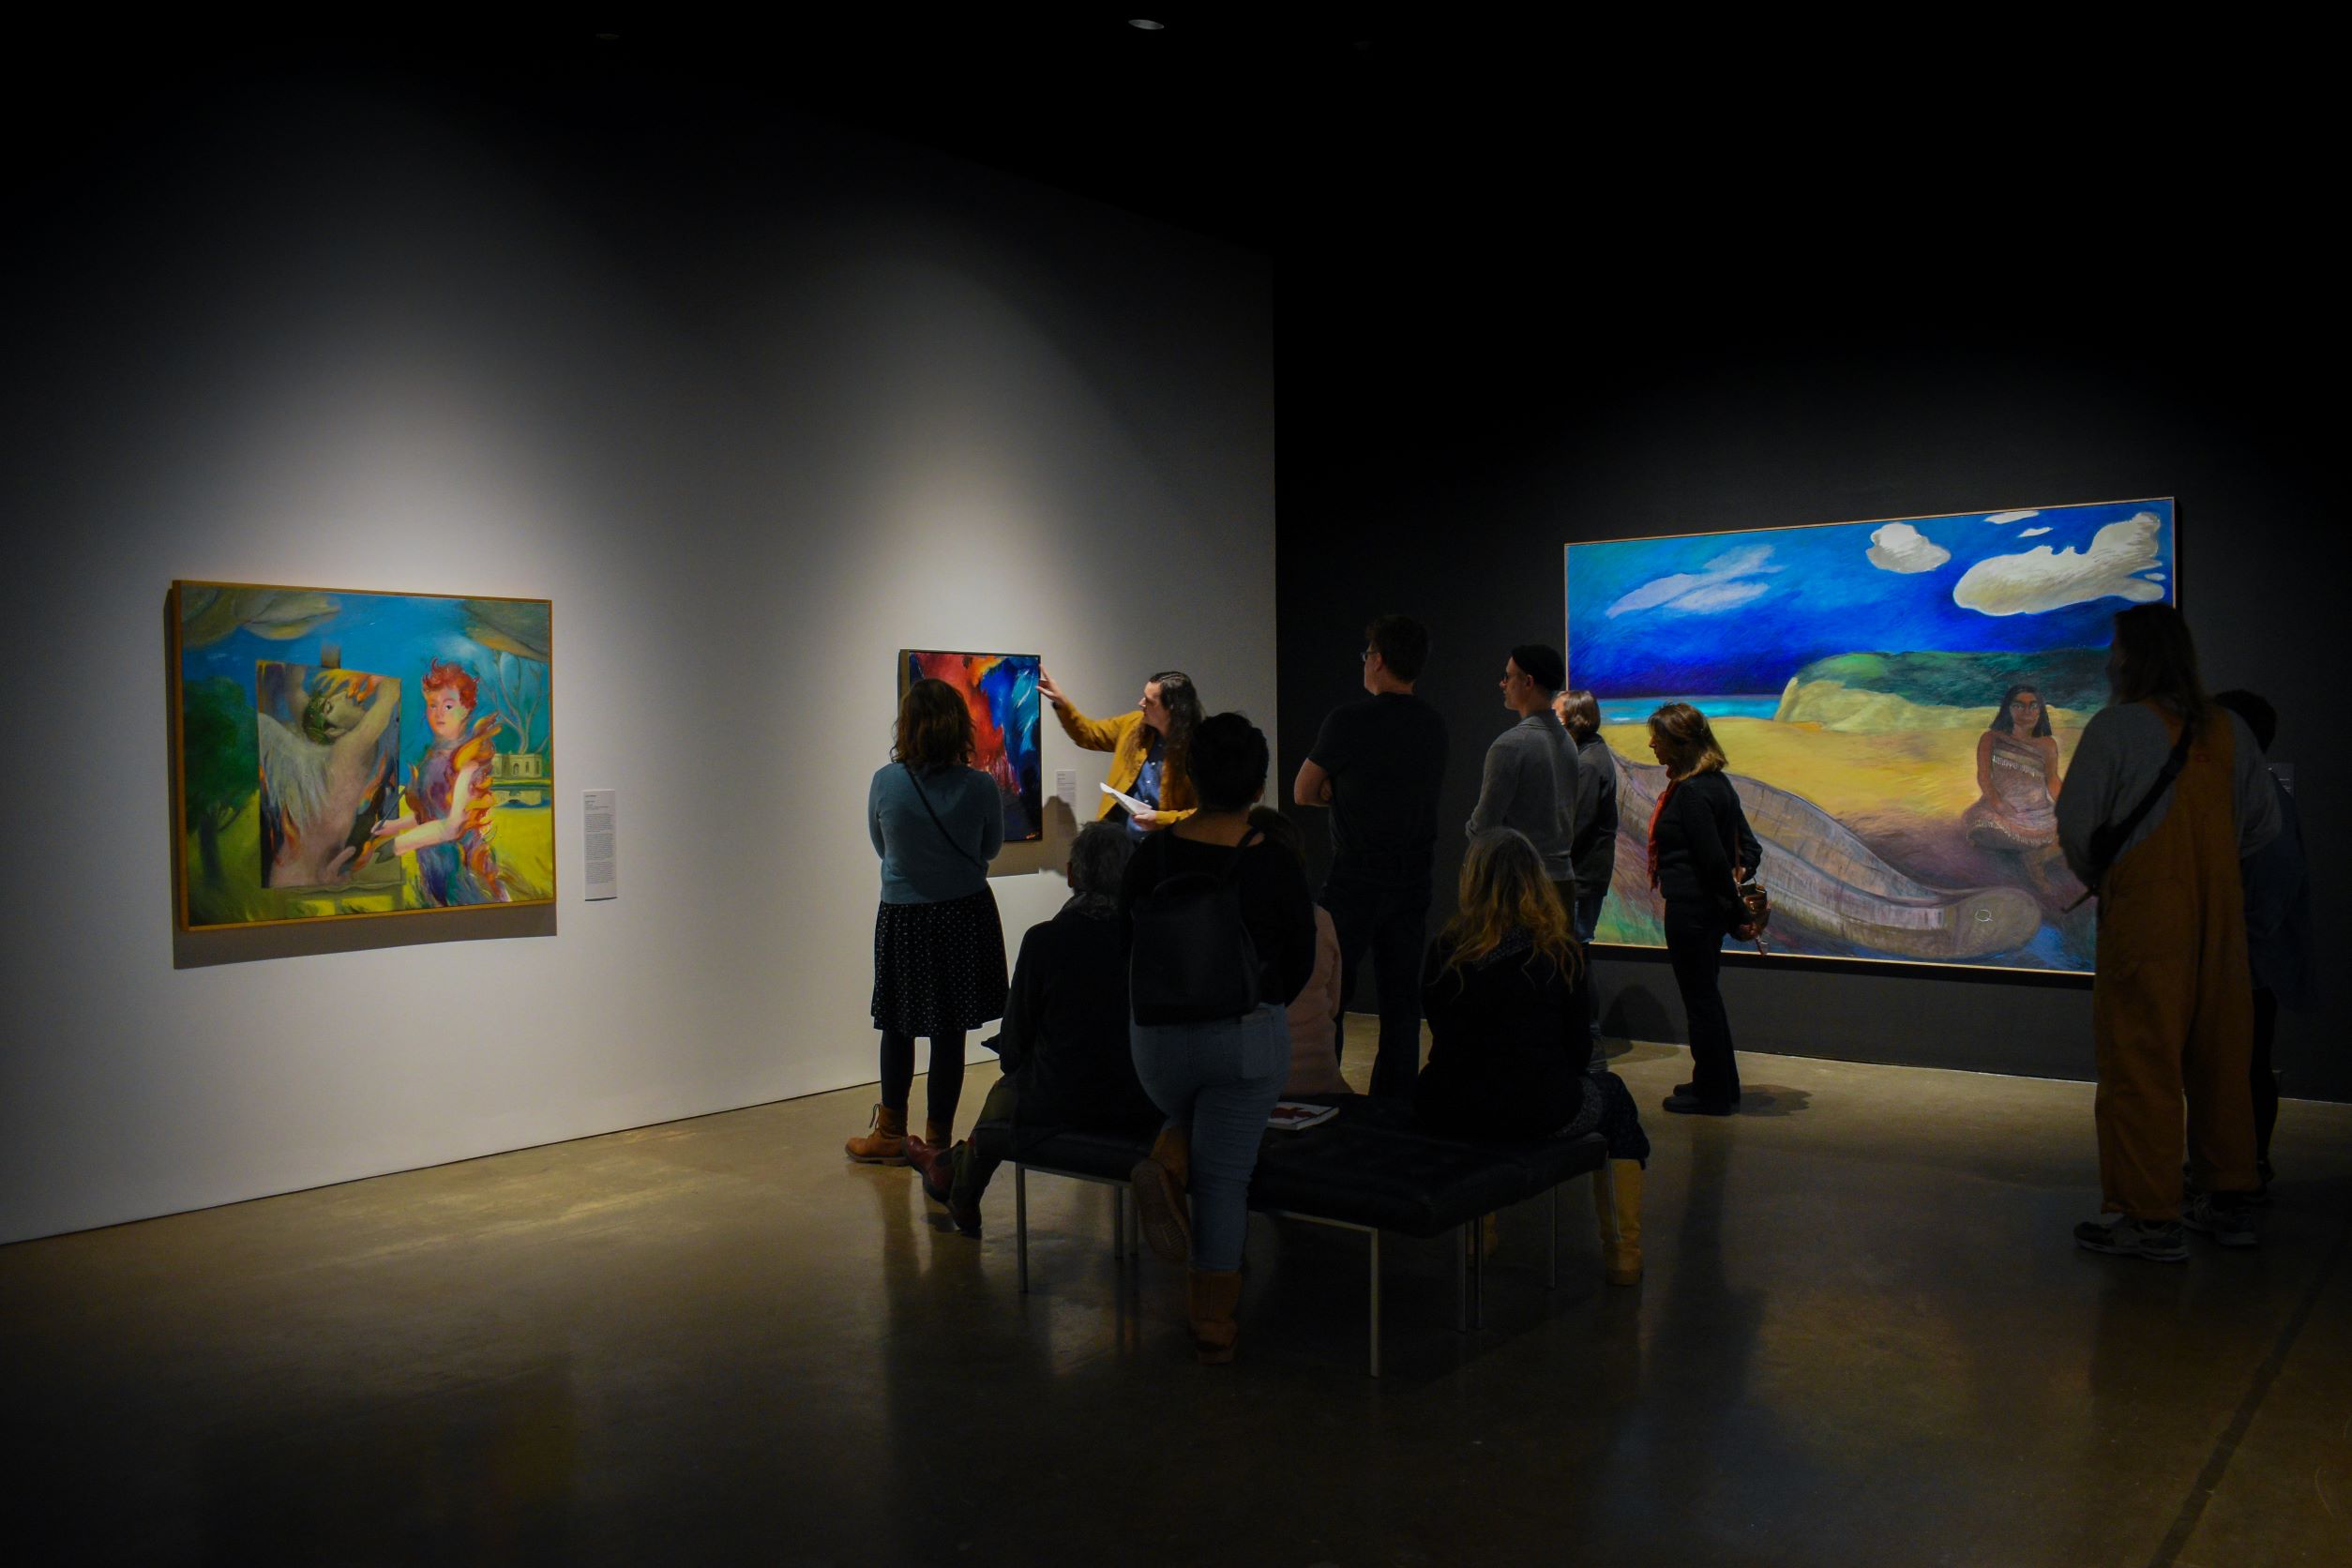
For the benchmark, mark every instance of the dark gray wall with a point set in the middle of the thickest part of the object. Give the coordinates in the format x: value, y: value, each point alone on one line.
x: 1450, y: 453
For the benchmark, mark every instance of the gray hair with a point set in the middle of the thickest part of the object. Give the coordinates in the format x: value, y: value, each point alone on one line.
x: 1098, y: 860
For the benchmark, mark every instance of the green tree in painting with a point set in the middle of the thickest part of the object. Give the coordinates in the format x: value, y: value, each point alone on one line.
x: 220, y: 771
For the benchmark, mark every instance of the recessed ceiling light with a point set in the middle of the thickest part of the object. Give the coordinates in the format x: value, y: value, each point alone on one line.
x: 1147, y: 25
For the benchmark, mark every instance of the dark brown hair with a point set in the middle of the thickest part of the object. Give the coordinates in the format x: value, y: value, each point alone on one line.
x: 2005, y: 723
x: 1690, y: 738
x: 934, y: 728
x: 1403, y: 644
x: 1583, y: 714
x: 1280, y: 831
x: 2155, y: 659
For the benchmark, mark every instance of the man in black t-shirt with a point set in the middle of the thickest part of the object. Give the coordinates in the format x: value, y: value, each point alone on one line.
x: 1377, y: 763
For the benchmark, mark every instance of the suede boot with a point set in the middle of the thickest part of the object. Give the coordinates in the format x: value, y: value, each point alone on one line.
x: 1210, y: 1298
x: 939, y: 1135
x: 1616, y: 1208
x: 1159, y: 1180
x: 884, y: 1143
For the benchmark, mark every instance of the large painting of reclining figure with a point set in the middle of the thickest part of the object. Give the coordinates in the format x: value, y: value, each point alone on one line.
x: 1899, y: 700
x: 347, y: 752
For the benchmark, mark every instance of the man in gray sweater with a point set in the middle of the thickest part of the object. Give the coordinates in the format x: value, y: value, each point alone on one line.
x: 1529, y: 781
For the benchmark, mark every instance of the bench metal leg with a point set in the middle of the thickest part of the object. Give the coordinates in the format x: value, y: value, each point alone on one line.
x: 1461, y: 1279
x: 1478, y: 1275
x: 1551, y: 1247
x: 1020, y: 1221
x: 1376, y: 1304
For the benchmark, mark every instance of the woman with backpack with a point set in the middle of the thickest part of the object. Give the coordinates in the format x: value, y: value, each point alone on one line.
x: 1223, y: 930
x: 938, y: 943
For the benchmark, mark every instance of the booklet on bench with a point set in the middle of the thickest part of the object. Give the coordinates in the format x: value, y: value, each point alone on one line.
x: 1291, y: 1115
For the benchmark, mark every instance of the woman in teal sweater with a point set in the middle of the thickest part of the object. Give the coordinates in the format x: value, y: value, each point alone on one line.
x: 938, y: 943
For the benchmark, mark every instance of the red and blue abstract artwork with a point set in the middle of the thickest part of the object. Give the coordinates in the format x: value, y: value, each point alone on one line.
x: 1000, y: 690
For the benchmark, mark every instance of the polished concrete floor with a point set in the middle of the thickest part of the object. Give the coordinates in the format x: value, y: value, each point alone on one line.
x: 1864, y: 1338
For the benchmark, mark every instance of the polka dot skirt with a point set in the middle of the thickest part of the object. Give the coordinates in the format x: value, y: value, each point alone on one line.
x: 938, y: 968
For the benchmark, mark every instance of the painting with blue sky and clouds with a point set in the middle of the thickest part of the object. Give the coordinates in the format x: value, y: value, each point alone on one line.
x: 1867, y: 680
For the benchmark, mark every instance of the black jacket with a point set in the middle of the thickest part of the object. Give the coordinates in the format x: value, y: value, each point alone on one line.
x: 1510, y: 1037
x: 1065, y: 1036
x: 1701, y: 835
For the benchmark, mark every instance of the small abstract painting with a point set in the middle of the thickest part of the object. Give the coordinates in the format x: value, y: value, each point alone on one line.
x: 1000, y: 690
x: 348, y: 752
x: 1899, y: 701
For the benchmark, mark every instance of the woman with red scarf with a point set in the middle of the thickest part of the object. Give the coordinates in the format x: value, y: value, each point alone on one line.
x: 1699, y: 843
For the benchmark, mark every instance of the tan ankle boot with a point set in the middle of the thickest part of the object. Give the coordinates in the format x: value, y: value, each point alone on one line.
x: 1159, y: 1179
x: 1211, y: 1297
x: 884, y: 1143
x: 1616, y: 1208
x: 939, y: 1135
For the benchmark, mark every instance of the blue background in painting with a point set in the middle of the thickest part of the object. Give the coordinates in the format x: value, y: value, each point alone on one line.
x: 1010, y: 684
x: 1826, y: 598
x: 398, y: 635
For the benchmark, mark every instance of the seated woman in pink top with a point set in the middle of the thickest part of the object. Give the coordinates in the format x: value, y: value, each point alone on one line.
x: 1314, y: 1013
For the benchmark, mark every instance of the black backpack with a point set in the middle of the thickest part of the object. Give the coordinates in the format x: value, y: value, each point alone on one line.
x: 1193, y: 960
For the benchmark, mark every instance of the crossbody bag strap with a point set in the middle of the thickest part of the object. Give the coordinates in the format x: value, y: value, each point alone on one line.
x: 916, y: 779
x: 2171, y: 770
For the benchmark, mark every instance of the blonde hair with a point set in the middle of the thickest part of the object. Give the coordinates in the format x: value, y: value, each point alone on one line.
x: 1503, y: 889
x: 1689, y: 739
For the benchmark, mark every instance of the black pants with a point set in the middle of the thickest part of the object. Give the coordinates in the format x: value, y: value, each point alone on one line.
x: 977, y: 1156
x: 948, y: 1074
x: 2266, y: 1083
x: 1693, y: 935
x: 1393, y: 924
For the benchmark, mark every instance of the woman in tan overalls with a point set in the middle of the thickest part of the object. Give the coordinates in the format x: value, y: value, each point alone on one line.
x: 2172, y: 1013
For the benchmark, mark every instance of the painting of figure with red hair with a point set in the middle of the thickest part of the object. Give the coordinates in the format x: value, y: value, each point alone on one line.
x: 344, y: 752
x: 1000, y: 690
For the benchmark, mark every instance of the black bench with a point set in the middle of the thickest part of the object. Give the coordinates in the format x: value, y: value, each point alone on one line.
x: 1368, y: 1169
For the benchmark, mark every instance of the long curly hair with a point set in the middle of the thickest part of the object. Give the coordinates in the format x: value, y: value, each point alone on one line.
x: 1503, y: 889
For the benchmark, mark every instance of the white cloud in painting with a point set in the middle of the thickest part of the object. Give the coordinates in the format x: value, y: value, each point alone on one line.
x: 1898, y: 547
x: 2043, y: 579
x: 2031, y: 532
x: 2016, y: 516
x: 1726, y: 583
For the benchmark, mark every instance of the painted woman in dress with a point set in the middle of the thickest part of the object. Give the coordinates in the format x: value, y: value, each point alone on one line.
x: 2017, y: 780
x: 448, y: 825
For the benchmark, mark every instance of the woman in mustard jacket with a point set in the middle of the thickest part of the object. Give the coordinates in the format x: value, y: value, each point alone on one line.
x: 1147, y: 746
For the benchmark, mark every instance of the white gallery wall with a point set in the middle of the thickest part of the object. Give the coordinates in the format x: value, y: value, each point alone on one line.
x: 756, y: 406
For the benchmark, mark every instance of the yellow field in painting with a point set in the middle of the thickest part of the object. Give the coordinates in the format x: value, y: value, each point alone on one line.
x: 524, y: 838
x: 1855, y: 778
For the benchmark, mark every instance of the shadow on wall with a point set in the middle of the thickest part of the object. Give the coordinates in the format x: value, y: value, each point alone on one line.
x: 1642, y: 1006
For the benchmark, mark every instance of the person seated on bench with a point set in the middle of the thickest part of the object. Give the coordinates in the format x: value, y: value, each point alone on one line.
x: 1314, y: 1013
x: 1063, y: 1044
x: 1205, y: 900
x: 1509, y: 1001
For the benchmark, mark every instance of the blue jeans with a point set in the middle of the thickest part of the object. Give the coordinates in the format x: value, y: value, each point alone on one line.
x: 1221, y: 1081
x: 1585, y: 916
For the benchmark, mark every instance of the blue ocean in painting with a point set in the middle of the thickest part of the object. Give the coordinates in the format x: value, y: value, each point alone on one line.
x: 1741, y: 613
x: 1636, y: 710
